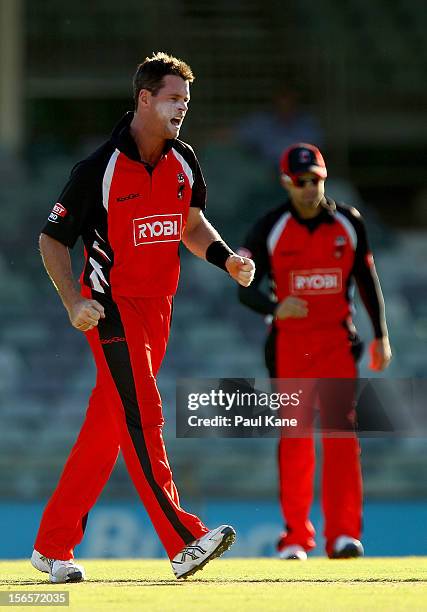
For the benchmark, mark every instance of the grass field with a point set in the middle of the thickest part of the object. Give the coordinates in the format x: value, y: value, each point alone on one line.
x: 238, y: 585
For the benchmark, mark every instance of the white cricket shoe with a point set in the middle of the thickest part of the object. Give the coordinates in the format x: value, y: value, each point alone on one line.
x: 59, y: 571
x: 295, y: 551
x: 346, y: 547
x: 195, y: 555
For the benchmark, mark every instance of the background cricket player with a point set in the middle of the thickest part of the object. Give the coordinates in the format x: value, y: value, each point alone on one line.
x: 133, y: 201
x: 312, y: 251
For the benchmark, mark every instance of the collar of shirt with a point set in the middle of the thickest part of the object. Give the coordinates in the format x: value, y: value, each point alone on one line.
x: 326, y: 214
x: 121, y: 138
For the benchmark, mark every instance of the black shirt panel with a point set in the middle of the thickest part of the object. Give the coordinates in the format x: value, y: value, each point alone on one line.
x: 364, y: 273
x: 80, y: 200
x: 255, y: 246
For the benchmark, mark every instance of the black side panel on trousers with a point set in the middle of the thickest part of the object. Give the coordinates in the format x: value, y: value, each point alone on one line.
x: 112, y: 335
x: 270, y: 352
x: 357, y: 348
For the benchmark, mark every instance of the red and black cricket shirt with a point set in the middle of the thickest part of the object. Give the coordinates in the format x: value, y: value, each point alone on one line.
x: 131, y: 216
x: 318, y: 260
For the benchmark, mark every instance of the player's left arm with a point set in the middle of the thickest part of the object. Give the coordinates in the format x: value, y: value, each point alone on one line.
x: 203, y: 240
x: 370, y: 291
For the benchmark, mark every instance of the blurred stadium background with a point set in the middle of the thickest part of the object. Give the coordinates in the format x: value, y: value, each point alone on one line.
x: 359, y: 69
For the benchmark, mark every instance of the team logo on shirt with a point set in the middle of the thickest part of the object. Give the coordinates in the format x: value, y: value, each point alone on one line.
x: 181, y: 185
x: 339, y: 245
x: 57, y: 211
x: 157, y: 228
x: 315, y: 282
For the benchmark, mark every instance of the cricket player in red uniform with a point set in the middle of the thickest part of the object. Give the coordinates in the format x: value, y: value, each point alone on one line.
x: 132, y: 201
x: 313, y: 250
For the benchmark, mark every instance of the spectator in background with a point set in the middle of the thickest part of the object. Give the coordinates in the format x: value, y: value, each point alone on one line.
x: 268, y: 132
x: 312, y: 250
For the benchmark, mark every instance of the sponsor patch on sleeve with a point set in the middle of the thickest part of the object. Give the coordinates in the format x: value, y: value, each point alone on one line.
x: 58, y: 211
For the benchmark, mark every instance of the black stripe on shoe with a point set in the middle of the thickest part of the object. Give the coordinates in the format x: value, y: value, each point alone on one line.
x: 226, y: 543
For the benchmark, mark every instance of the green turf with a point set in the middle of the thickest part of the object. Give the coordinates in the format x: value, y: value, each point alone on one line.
x: 238, y: 585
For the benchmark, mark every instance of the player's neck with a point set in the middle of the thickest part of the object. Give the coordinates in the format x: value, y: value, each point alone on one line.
x: 150, y: 146
x: 307, y: 211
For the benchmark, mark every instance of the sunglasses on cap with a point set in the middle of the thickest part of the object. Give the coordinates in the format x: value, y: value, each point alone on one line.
x: 302, y: 182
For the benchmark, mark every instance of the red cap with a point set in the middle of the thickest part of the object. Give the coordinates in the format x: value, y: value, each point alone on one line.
x: 302, y: 157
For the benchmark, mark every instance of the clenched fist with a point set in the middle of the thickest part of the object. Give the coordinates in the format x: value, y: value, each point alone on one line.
x: 292, y: 307
x: 242, y: 269
x: 381, y: 355
x: 85, y: 314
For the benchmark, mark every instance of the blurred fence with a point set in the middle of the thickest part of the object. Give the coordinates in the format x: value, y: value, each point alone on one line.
x: 359, y: 66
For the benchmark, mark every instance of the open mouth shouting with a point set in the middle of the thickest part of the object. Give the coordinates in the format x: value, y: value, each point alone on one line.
x: 177, y: 121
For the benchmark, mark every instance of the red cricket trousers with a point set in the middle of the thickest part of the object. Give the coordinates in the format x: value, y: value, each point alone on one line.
x: 124, y: 413
x: 321, y: 355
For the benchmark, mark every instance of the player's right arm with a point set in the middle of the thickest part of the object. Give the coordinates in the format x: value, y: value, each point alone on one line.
x: 369, y: 286
x: 64, y: 225
x: 84, y: 313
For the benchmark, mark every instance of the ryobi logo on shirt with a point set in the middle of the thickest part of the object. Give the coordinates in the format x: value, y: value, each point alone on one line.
x: 313, y: 282
x: 157, y: 228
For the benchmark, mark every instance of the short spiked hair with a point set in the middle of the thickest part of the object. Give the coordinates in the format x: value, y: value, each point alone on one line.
x: 149, y: 75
